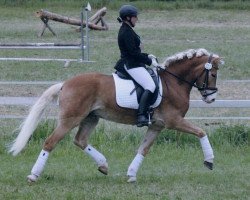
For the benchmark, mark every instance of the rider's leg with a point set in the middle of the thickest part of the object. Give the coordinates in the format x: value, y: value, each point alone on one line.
x: 142, y: 116
x: 143, y: 78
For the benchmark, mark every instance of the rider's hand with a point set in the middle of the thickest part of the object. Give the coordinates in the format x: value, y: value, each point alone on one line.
x: 157, y: 65
x: 151, y: 56
x: 154, y: 62
x: 161, y: 66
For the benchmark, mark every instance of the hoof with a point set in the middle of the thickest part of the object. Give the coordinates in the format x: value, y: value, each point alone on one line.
x: 132, y: 179
x: 103, y: 169
x: 32, y: 178
x: 209, y: 165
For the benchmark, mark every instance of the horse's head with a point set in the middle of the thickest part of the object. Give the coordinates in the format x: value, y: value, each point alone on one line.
x: 206, y: 81
x: 203, y: 68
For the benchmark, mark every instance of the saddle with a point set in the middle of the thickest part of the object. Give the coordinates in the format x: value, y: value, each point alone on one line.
x: 128, y: 91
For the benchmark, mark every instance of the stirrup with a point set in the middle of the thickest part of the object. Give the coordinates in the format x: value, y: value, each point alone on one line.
x: 147, y: 120
x: 150, y: 115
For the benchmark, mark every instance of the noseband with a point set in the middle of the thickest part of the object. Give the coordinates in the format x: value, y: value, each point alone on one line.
x: 208, y: 66
x: 205, y: 87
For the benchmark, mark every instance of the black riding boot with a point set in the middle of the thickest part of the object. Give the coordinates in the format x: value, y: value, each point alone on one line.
x: 142, y: 116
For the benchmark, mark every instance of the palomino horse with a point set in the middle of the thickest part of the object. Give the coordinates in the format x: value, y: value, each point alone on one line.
x: 85, y: 98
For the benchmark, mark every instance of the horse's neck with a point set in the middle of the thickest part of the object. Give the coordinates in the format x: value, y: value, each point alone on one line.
x: 186, y: 71
x: 175, y: 88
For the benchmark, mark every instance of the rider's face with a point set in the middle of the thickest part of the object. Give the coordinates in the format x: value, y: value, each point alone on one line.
x: 134, y: 19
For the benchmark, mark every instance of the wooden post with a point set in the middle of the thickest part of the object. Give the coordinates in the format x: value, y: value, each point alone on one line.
x: 45, y: 16
x: 98, y: 14
x: 46, y: 25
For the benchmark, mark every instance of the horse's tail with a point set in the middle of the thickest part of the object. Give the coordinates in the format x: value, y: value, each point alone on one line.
x: 30, y: 123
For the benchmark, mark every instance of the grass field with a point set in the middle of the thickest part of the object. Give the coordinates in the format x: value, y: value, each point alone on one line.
x: 173, y: 169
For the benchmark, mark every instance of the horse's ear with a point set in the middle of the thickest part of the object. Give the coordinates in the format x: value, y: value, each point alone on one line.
x: 219, y: 61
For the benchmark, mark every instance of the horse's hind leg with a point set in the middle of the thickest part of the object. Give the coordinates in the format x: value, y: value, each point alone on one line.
x: 63, y: 127
x: 81, y: 140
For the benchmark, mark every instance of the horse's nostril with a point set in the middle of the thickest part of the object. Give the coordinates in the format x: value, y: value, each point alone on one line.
x: 213, y: 100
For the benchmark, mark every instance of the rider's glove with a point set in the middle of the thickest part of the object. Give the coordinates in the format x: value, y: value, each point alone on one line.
x: 154, y: 62
x: 151, y: 56
x: 161, y: 66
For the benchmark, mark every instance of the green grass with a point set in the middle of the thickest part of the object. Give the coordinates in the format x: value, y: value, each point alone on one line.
x: 172, y: 170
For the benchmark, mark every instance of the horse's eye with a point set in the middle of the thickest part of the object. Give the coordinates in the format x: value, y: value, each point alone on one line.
x: 213, y: 75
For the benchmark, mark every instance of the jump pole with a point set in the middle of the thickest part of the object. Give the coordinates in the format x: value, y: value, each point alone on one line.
x: 86, y: 9
x: 82, y: 39
x: 55, y: 46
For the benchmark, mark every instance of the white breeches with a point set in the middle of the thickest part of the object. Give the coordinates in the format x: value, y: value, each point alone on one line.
x: 142, y: 77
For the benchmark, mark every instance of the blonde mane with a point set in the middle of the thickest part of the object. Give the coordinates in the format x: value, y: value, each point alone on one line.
x: 190, y: 53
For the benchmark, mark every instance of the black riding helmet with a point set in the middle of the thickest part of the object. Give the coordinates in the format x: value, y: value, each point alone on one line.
x: 127, y: 11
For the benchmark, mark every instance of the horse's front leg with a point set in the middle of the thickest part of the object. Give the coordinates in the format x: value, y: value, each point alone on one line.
x: 184, y: 126
x: 147, y: 142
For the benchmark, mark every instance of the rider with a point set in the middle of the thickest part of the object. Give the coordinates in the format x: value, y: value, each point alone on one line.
x: 133, y: 61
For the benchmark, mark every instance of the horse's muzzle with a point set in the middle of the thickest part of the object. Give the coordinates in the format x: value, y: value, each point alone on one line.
x: 208, y: 96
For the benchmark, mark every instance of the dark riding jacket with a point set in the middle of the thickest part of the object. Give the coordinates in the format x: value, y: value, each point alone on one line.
x: 129, y: 45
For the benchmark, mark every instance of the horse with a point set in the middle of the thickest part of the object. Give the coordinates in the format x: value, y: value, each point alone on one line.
x: 87, y: 97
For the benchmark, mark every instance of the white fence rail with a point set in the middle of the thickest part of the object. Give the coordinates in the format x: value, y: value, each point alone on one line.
x: 51, y: 46
x: 28, y: 101
x: 221, y: 104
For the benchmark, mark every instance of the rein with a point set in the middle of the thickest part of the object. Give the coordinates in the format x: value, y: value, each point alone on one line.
x: 208, y: 67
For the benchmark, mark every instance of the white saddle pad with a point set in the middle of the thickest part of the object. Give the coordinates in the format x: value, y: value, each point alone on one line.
x: 123, y: 89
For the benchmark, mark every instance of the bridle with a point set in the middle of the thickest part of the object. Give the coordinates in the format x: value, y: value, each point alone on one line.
x: 205, y: 87
x: 208, y: 66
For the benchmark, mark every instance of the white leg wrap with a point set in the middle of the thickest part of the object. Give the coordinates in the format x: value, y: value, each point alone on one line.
x: 134, y: 166
x: 96, y: 155
x: 207, y: 149
x: 40, y: 163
